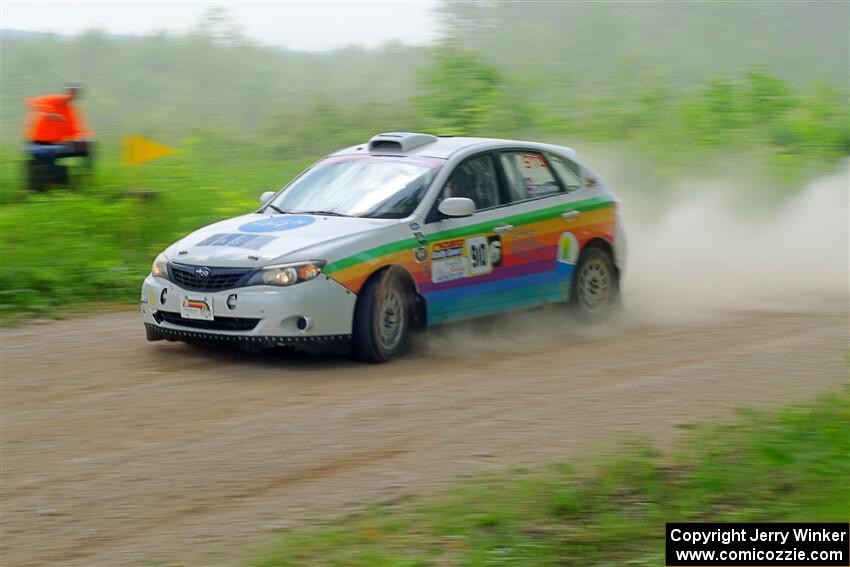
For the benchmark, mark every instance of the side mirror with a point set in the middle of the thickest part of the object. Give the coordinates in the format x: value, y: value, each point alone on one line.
x: 266, y: 197
x: 457, y: 207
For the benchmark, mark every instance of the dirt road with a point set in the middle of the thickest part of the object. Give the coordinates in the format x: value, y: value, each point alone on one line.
x: 122, y: 452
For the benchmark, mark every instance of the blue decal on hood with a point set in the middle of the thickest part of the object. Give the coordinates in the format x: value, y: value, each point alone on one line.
x: 238, y: 239
x: 277, y: 224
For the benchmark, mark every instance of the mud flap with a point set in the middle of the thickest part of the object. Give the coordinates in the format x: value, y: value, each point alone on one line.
x: 152, y: 334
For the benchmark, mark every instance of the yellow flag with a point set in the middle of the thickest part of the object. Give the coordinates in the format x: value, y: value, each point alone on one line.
x: 138, y: 150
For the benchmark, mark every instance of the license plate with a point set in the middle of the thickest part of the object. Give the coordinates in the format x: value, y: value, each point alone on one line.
x: 196, y: 307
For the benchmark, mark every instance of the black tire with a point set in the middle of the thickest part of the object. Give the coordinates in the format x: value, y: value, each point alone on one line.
x: 596, y: 285
x: 382, y: 318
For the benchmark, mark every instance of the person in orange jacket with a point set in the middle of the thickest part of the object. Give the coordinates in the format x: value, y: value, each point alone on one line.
x: 53, y: 119
x: 55, y: 129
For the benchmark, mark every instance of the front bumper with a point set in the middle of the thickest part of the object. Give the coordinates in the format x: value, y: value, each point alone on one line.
x: 262, y: 315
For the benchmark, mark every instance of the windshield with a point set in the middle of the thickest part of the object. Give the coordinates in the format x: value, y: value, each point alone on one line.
x: 360, y: 186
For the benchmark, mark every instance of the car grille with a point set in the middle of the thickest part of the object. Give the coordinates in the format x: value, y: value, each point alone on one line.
x: 218, y: 324
x: 219, y: 279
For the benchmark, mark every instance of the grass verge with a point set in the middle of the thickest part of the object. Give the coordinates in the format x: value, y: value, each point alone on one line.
x: 787, y: 465
x: 95, y: 243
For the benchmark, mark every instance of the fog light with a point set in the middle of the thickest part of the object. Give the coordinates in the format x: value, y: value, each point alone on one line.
x: 163, y: 295
x: 231, y: 301
x: 303, y: 323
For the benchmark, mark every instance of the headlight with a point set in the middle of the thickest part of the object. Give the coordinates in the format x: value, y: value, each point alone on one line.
x: 160, y: 267
x: 287, y: 274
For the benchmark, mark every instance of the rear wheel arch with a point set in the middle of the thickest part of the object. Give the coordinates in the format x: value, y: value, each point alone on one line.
x: 599, y: 242
x: 605, y: 246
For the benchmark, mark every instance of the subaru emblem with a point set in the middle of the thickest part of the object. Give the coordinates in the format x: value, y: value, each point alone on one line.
x: 203, y: 272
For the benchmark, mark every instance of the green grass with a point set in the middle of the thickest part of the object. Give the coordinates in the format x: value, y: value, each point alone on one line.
x: 787, y: 465
x: 95, y: 243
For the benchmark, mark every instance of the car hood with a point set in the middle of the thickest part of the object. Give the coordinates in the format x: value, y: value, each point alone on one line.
x: 259, y: 239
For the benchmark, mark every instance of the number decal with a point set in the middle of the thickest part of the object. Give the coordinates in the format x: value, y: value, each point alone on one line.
x: 495, y: 251
x: 455, y: 259
x: 477, y: 251
x: 485, y: 253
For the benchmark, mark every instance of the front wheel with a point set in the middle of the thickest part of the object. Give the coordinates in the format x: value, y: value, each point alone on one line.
x: 382, y: 319
x: 596, y: 285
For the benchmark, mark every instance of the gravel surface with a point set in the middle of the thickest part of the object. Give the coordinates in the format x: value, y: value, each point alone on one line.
x: 116, y: 451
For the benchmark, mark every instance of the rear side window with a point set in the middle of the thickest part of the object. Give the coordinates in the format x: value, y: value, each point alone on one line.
x: 528, y: 176
x: 567, y: 171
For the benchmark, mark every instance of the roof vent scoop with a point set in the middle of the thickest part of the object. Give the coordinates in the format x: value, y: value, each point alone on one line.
x: 399, y: 141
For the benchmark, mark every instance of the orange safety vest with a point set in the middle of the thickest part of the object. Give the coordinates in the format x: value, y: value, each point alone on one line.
x: 52, y: 119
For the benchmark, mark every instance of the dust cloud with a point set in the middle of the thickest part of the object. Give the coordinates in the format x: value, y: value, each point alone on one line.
x: 713, y: 250
x: 700, y: 250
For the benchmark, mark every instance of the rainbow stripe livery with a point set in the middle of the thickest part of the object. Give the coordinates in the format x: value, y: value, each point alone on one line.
x: 378, y: 237
x: 535, y: 265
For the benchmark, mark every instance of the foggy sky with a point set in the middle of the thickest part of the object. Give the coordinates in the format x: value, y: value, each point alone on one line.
x: 296, y: 25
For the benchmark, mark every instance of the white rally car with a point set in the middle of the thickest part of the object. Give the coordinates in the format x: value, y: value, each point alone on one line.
x: 408, y: 230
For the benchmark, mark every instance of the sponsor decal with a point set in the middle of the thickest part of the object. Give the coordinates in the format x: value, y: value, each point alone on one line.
x: 421, y: 254
x: 447, y: 249
x: 523, y: 232
x: 196, y: 308
x: 527, y: 248
x: 525, y: 245
x: 196, y: 304
x: 568, y: 248
x: 278, y: 224
x: 460, y: 258
x: 237, y: 239
x: 566, y: 261
x: 449, y: 269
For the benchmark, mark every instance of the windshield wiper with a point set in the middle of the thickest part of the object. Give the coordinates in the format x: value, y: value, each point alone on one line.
x: 325, y: 213
x: 278, y: 210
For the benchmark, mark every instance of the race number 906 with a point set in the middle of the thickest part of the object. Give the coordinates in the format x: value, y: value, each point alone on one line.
x: 484, y: 253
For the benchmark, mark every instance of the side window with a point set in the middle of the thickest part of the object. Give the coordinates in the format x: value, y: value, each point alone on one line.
x: 567, y: 171
x: 474, y: 179
x: 528, y: 176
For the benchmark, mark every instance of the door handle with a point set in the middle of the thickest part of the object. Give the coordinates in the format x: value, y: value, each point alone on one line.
x: 503, y: 229
x: 570, y: 214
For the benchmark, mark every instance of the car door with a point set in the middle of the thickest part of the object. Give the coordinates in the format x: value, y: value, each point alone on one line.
x: 521, y: 246
x: 471, y: 272
x: 549, y: 201
x: 585, y: 212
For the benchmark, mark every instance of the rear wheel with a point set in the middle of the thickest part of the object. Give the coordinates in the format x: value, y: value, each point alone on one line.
x: 596, y: 285
x: 382, y: 318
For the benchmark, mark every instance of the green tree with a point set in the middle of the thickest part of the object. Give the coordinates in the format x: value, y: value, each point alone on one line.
x: 460, y: 91
x: 767, y: 95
